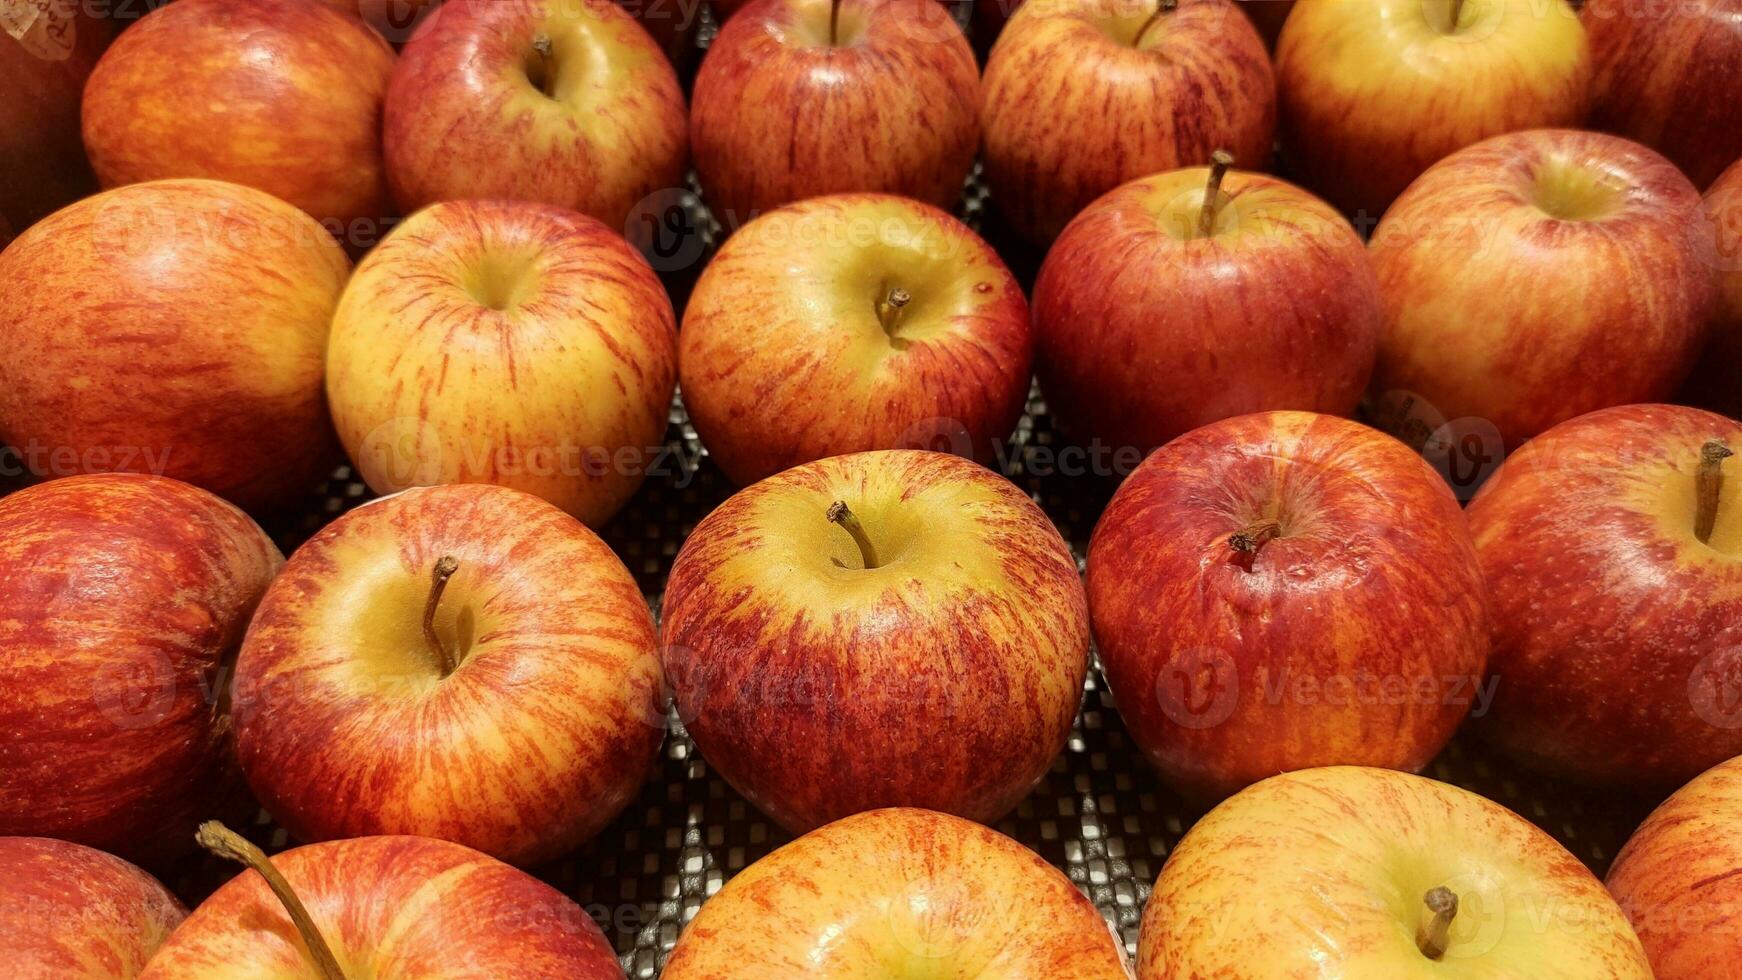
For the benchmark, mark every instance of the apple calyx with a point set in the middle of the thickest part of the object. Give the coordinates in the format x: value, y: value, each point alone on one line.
x: 1247, y: 541
x: 1220, y: 161
x: 889, y: 312
x: 227, y: 844
x: 1435, y: 934
x: 444, y: 570
x: 1162, y: 8
x: 839, y: 514
x: 1709, y: 485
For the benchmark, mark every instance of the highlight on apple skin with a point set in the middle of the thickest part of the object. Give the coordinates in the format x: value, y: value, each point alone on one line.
x: 505, y: 342
x: 1612, y: 547
x: 466, y: 663
x: 957, y: 899
x: 1537, y: 276
x: 850, y: 634
x: 1330, y: 872
x: 121, y: 596
x: 1286, y: 590
x: 850, y: 323
x: 1085, y: 95
x: 73, y: 911
x: 1163, y: 307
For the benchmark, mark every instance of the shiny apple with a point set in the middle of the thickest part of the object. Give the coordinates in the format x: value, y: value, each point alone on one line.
x: 47, y: 50
x: 72, y: 911
x: 1717, y: 379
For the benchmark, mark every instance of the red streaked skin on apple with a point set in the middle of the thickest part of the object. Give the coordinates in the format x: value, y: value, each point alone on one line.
x: 505, y: 342
x: 121, y: 597
x: 923, y: 645
x: 1148, y: 326
x: 898, y: 893
x: 350, y: 720
x: 784, y: 110
x: 1085, y: 95
x: 1679, y: 879
x: 1541, y: 275
x: 69, y: 912
x: 848, y: 323
x: 1328, y: 872
x: 1618, y: 630
x: 1717, y: 379
x: 1286, y: 590
x: 564, y: 102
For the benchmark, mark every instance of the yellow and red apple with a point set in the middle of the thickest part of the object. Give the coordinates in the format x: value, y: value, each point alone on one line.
x: 47, y: 50
x: 69, y: 911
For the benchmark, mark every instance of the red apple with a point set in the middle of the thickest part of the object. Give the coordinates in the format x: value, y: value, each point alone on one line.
x: 672, y: 23
x: 799, y: 98
x: 1268, y: 16
x: 71, y: 911
x: 1667, y: 76
x: 848, y: 323
x: 1617, y: 610
x: 385, y: 908
x: 1538, y: 276
x: 465, y: 662
x: 1168, y: 304
x: 178, y: 328
x: 1286, y: 590
x: 121, y: 597
x: 394, y: 20
x: 1679, y: 879
x: 1717, y: 379
x: 928, y: 651
x: 47, y: 50
x: 564, y: 102
x: 284, y: 97
x: 1376, y: 91
x: 1085, y: 95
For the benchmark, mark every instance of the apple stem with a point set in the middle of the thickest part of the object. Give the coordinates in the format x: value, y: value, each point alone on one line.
x: 1164, y: 7
x: 889, y: 309
x: 1435, y: 934
x: 1709, y: 483
x: 834, y: 23
x: 839, y: 514
x: 226, y: 843
x: 1247, y: 541
x: 546, y: 78
x: 1220, y: 161
x: 444, y: 570
x: 1457, y: 13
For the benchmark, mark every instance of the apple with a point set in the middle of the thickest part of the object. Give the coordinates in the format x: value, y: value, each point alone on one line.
x: 1613, y: 553
x: 563, y: 102
x: 394, y: 20
x: 1717, y: 379
x: 1357, y: 872
x: 674, y: 24
x: 1195, y: 295
x: 1085, y: 95
x: 1376, y: 91
x: 1679, y: 879
x: 71, y: 911
x: 47, y: 50
x: 1666, y: 74
x: 505, y: 342
x: 898, y: 893
x: 1286, y: 590
x: 800, y: 98
x: 1268, y: 16
x: 121, y: 597
x: 387, y: 908
x: 285, y: 97
x: 877, y: 629
x: 847, y: 323
x: 467, y: 663
x: 174, y: 327
x: 1538, y: 276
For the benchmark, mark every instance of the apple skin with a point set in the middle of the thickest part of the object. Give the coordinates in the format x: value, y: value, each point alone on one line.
x: 1666, y: 75
x: 1717, y: 379
x: 121, y: 596
x: 1323, y: 873
x: 1146, y: 330
x: 1373, y: 575
x: 1073, y: 108
x: 778, y: 115
x: 1541, y: 275
x: 43, y: 72
x: 465, y: 121
x: 285, y: 97
x: 1375, y: 91
x: 504, y: 342
x: 392, y: 908
x: 1679, y: 879
x: 196, y: 314
x: 72, y: 911
x: 784, y: 359
x: 1268, y: 16
x: 1616, y: 630
x: 347, y: 727
x: 897, y: 893
x: 819, y: 688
